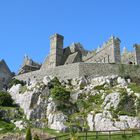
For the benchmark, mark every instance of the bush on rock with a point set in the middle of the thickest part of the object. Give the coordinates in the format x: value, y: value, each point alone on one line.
x: 15, y: 82
x: 5, y: 99
x: 59, y: 93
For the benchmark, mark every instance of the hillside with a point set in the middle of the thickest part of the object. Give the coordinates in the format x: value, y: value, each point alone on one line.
x: 101, y: 103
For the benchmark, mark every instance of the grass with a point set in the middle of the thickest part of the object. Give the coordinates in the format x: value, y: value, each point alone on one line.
x: 7, y: 108
x: 99, y: 87
x: 97, y: 99
x: 109, y: 90
x: 6, y: 127
x: 101, y: 136
x: 121, y: 137
x: 92, y: 136
x: 134, y: 87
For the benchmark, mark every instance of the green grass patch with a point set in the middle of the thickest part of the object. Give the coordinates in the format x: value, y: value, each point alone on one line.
x: 100, y: 87
x: 113, y: 137
x: 108, y: 91
x: 134, y: 87
x: 6, y: 127
x: 97, y: 99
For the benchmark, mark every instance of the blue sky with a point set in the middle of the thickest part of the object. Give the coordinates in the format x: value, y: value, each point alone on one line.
x: 25, y: 25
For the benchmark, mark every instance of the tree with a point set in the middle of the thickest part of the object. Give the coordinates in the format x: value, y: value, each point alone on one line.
x: 28, y: 134
x: 5, y: 99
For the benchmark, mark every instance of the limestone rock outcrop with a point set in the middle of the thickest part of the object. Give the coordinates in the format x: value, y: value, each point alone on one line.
x: 100, y: 102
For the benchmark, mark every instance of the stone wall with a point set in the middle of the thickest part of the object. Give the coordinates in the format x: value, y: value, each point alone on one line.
x: 137, y: 53
x: 97, y: 69
x: 102, y: 69
x: 128, y: 58
x: 76, y: 70
x: 63, y: 72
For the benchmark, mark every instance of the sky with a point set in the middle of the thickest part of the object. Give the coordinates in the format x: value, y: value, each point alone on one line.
x: 26, y: 25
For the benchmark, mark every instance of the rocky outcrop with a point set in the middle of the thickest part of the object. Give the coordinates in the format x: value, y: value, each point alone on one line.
x: 38, y: 106
x: 103, y: 123
x: 111, y: 100
x: 23, y: 99
x: 10, y: 113
x: 100, y: 99
x: 90, y: 121
x: 20, y: 124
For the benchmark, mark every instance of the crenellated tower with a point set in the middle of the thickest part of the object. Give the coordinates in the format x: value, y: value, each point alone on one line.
x: 137, y: 54
x: 56, y: 50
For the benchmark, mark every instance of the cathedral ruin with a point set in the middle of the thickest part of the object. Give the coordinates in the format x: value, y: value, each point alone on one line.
x: 74, y: 61
x: 59, y: 55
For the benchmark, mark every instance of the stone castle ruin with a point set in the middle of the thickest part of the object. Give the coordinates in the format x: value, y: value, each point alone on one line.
x: 75, y: 61
x: 28, y: 65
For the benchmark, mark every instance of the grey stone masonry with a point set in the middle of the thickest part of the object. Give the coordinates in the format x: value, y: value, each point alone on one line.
x: 77, y: 70
x: 62, y: 72
x: 137, y: 54
x: 104, y: 69
x: 108, y: 53
x: 56, y: 50
x: 74, y: 61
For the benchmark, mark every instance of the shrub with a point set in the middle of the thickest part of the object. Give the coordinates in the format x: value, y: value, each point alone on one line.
x: 5, y: 99
x: 15, y: 82
x: 59, y: 93
x: 83, y: 105
x: 97, y: 99
x: 28, y: 134
x: 54, y: 82
x: 126, y: 106
x: 61, y: 97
